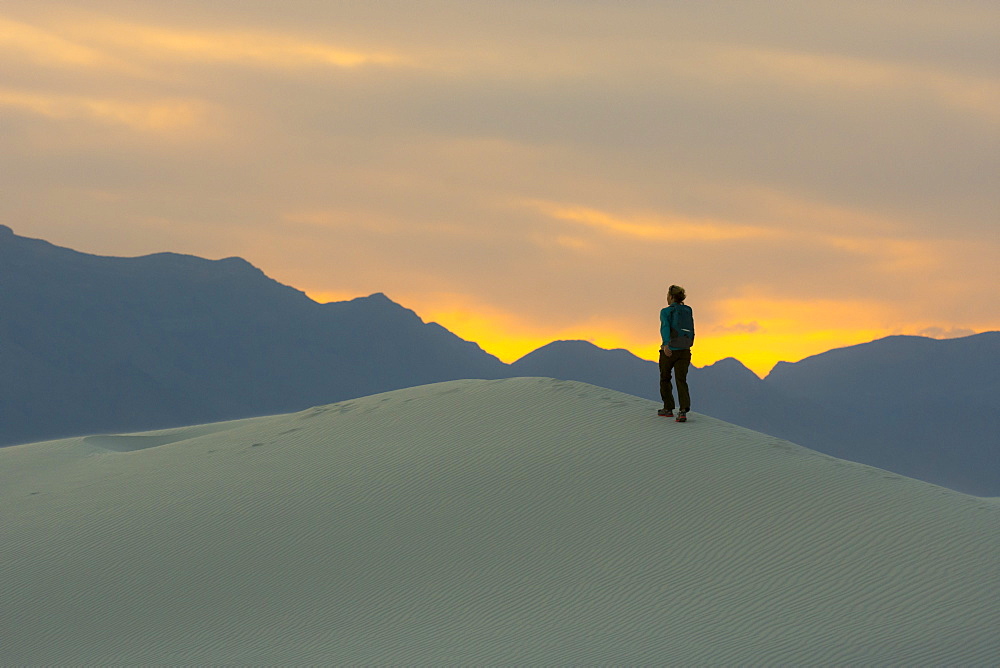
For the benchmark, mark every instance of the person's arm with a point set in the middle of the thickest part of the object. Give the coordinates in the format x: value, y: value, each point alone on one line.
x: 665, y: 331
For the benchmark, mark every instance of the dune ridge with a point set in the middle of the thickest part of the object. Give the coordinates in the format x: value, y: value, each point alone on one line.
x: 512, y: 521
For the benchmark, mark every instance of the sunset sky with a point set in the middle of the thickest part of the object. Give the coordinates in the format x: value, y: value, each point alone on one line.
x: 815, y: 173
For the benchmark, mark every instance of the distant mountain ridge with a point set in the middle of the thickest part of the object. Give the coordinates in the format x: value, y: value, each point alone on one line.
x: 92, y: 344
x: 164, y: 340
x: 922, y: 407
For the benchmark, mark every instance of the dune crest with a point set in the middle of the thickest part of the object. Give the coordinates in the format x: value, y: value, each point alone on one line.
x: 513, y: 521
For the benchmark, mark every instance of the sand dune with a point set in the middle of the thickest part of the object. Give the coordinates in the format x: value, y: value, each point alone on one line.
x: 522, y: 521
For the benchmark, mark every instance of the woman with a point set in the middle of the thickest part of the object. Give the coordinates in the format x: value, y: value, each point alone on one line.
x: 677, y: 335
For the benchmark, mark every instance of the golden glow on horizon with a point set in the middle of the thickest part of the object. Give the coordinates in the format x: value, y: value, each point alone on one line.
x: 501, y: 334
x: 758, y: 350
x: 762, y: 332
x: 770, y: 332
x: 496, y: 335
x: 510, y: 338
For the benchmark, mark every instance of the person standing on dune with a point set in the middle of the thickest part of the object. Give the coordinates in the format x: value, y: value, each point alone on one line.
x: 677, y: 336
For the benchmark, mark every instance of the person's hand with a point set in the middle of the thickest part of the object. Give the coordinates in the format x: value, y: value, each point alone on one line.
x: 665, y: 350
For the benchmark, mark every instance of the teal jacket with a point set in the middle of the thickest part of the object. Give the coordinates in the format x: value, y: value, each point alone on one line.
x: 677, y: 326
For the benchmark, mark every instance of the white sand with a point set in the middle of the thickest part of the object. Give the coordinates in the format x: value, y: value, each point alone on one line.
x: 525, y: 521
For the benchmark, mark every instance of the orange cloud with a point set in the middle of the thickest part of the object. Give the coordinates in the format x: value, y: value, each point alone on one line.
x: 894, y: 255
x: 154, y: 116
x: 759, y: 333
x: 46, y: 47
x: 260, y: 47
x: 650, y: 226
x: 760, y: 351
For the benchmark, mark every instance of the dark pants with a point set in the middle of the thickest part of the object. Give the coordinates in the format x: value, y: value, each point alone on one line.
x: 679, y: 361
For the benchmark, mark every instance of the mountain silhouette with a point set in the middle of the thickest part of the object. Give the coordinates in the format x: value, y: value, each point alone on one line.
x: 925, y: 408
x: 92, y: 344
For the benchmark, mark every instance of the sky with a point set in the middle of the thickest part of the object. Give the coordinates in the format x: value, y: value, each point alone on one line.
x: 815, y: 173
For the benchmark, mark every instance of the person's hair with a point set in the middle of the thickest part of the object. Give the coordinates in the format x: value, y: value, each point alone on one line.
x: 677, y: 292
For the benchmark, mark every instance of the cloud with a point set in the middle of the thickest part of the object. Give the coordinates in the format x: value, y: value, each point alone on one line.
x: 650, y: 226
x: 255, y: 47
x: 832, y: 75
x: 533, y: 174
x: 891, y: 256
x: 45, y: 47
x: 94, y: 40
x: 788, y: 329
x: 153, y: 116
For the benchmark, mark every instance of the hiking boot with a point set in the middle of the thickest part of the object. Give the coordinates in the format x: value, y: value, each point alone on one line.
x: 682, y: 416
x: 664, y: 412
